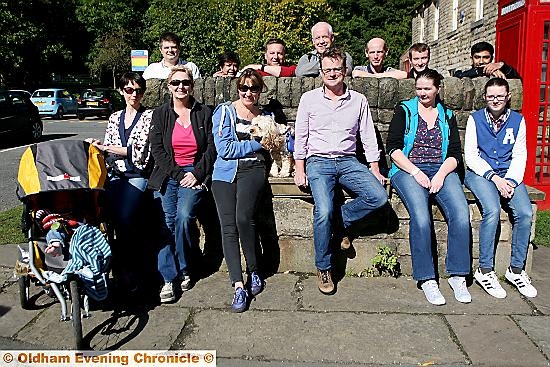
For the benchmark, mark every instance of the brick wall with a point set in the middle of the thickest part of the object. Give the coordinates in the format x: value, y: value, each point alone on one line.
x: 451, y: 50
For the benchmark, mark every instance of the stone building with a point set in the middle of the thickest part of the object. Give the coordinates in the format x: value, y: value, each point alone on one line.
x: 451, y: 27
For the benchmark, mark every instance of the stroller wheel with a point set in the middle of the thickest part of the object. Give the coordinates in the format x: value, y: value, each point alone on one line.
x: 75, y: 313
x: 24, y: 291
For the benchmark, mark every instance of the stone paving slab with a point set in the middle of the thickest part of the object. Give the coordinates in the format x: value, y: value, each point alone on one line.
x: 138, y: 329
x: 540, y: 277
x: 401, y: 295
x: 216, y: 292
x: 12, y: 316
x: 324, y: 337
x: 495, y: 340
x: 537, y: 330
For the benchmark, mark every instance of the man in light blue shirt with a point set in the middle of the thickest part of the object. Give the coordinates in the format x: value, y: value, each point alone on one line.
x: 327, y: 124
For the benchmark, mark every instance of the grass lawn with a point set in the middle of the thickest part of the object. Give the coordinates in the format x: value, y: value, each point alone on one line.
x: 542, y: 230
x: 10, y: 226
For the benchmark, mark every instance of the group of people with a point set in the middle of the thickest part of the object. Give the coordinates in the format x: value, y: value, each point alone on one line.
x: 376, y: 51
x: 182, y: 150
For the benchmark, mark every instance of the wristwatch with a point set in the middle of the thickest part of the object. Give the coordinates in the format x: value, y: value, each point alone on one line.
x: 263, y: 67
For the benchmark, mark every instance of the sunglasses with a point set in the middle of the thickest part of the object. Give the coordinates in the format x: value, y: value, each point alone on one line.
x: 252, y: 89
x: 177, y: 82
x: 130, y: 90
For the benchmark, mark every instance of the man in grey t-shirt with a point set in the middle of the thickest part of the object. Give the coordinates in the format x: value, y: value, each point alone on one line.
x: 322, y: 37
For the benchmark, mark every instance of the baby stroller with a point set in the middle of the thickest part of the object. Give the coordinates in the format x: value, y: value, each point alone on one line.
x: 61, y: 186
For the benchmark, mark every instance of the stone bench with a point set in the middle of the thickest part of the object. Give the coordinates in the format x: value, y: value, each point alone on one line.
x: 293, y: 218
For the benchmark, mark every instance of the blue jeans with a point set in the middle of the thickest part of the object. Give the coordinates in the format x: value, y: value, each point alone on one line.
x: 488, y: 196
x: 323, y: 175
x: 452, y: 201
x: 180, y: 232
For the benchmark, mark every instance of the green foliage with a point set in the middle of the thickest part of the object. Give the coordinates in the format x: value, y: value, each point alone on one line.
x: 36, y: 38
x: 10, y: 226
x: 542, y: 229
x: 386, y: 262
x: 357, y: 21
x: 112, y: 54
x: 209, y: 28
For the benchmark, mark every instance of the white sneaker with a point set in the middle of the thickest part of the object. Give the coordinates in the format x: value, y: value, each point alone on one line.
x: 432, y: 293
x: 185, y: 283
x: 167, y: 293
x: 489, y: 282
x: 522, y: 282
x: 458, y: 284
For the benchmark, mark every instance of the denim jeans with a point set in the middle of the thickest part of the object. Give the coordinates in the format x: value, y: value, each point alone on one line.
x: 488, y: 196
x: 452, y: 201
x: 179, y: 233
x: 237, y: 204
x: 323, y: 175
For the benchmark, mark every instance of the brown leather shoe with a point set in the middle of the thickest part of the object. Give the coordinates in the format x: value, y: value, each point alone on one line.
x: 346, y: 243
x: 324, y: 279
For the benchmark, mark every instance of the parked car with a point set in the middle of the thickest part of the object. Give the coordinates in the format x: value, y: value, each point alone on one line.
x: 26, y: 92
x: 19, y: 116
x: 54, y: 102
x: 99, y: 102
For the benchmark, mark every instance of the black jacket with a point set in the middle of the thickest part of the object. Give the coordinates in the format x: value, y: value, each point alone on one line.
x: 508, y: 71
x: 162, y: 126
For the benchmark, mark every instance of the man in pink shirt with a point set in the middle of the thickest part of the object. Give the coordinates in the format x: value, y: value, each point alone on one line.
x: 328, y: 121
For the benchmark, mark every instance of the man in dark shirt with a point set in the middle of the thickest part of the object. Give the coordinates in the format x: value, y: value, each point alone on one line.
x: 419, y: 58
x: 483, y: 65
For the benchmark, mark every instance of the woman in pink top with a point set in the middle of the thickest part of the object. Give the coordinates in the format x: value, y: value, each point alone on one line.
x: 184, y: 153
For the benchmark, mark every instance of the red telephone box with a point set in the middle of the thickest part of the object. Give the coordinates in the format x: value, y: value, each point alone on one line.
x: 522, y: 40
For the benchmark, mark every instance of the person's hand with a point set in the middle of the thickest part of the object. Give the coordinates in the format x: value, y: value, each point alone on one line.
x: 188, y: 180
x: 490, y: 68
x: 504, y: 187
x: 378, y: 175
x: 422, y: 180
x: 300, y: 179
x: 437, y: 183
x: 498, y: 74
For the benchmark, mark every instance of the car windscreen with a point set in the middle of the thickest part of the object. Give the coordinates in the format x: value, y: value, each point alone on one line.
x: 43, y: 94
x: 93, y: 94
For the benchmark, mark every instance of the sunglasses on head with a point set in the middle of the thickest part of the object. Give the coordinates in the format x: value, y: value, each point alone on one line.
x: 130, y: 90
x: 177, y: 82
x: 252, y: 89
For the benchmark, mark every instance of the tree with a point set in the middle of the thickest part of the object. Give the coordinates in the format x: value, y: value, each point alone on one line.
x: 357, y: 21
x: 37, y: 38
x: 111, y: 53
x: 208, y: 28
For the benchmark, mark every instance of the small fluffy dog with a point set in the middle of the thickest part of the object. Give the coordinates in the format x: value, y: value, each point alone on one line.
x: 273, y: 139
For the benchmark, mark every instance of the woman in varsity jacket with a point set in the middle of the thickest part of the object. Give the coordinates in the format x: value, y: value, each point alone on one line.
x: 496, y: 153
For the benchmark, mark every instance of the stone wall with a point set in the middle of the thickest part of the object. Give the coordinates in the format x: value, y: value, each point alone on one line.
x: 283, y: 94
x: 450, y: 50
x: 286, y: 219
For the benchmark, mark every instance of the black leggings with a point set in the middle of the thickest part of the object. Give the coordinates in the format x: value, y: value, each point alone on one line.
x: 236, y: 203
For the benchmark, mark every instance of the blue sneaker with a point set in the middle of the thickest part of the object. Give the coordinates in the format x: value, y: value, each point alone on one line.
x: 239, y: 300
x: 256, y: 284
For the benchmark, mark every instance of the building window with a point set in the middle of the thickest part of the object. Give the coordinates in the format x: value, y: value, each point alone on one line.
x: 479, y: 9
x: 422, y: 26
x: 436, y: 20
x: 454, y: 24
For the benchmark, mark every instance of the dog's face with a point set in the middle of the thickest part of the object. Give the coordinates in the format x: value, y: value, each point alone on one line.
x: 266, y: 128
x: 263, y: 126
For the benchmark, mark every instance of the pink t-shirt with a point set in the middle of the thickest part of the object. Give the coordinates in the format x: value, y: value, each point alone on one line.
x: 184, y: 144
